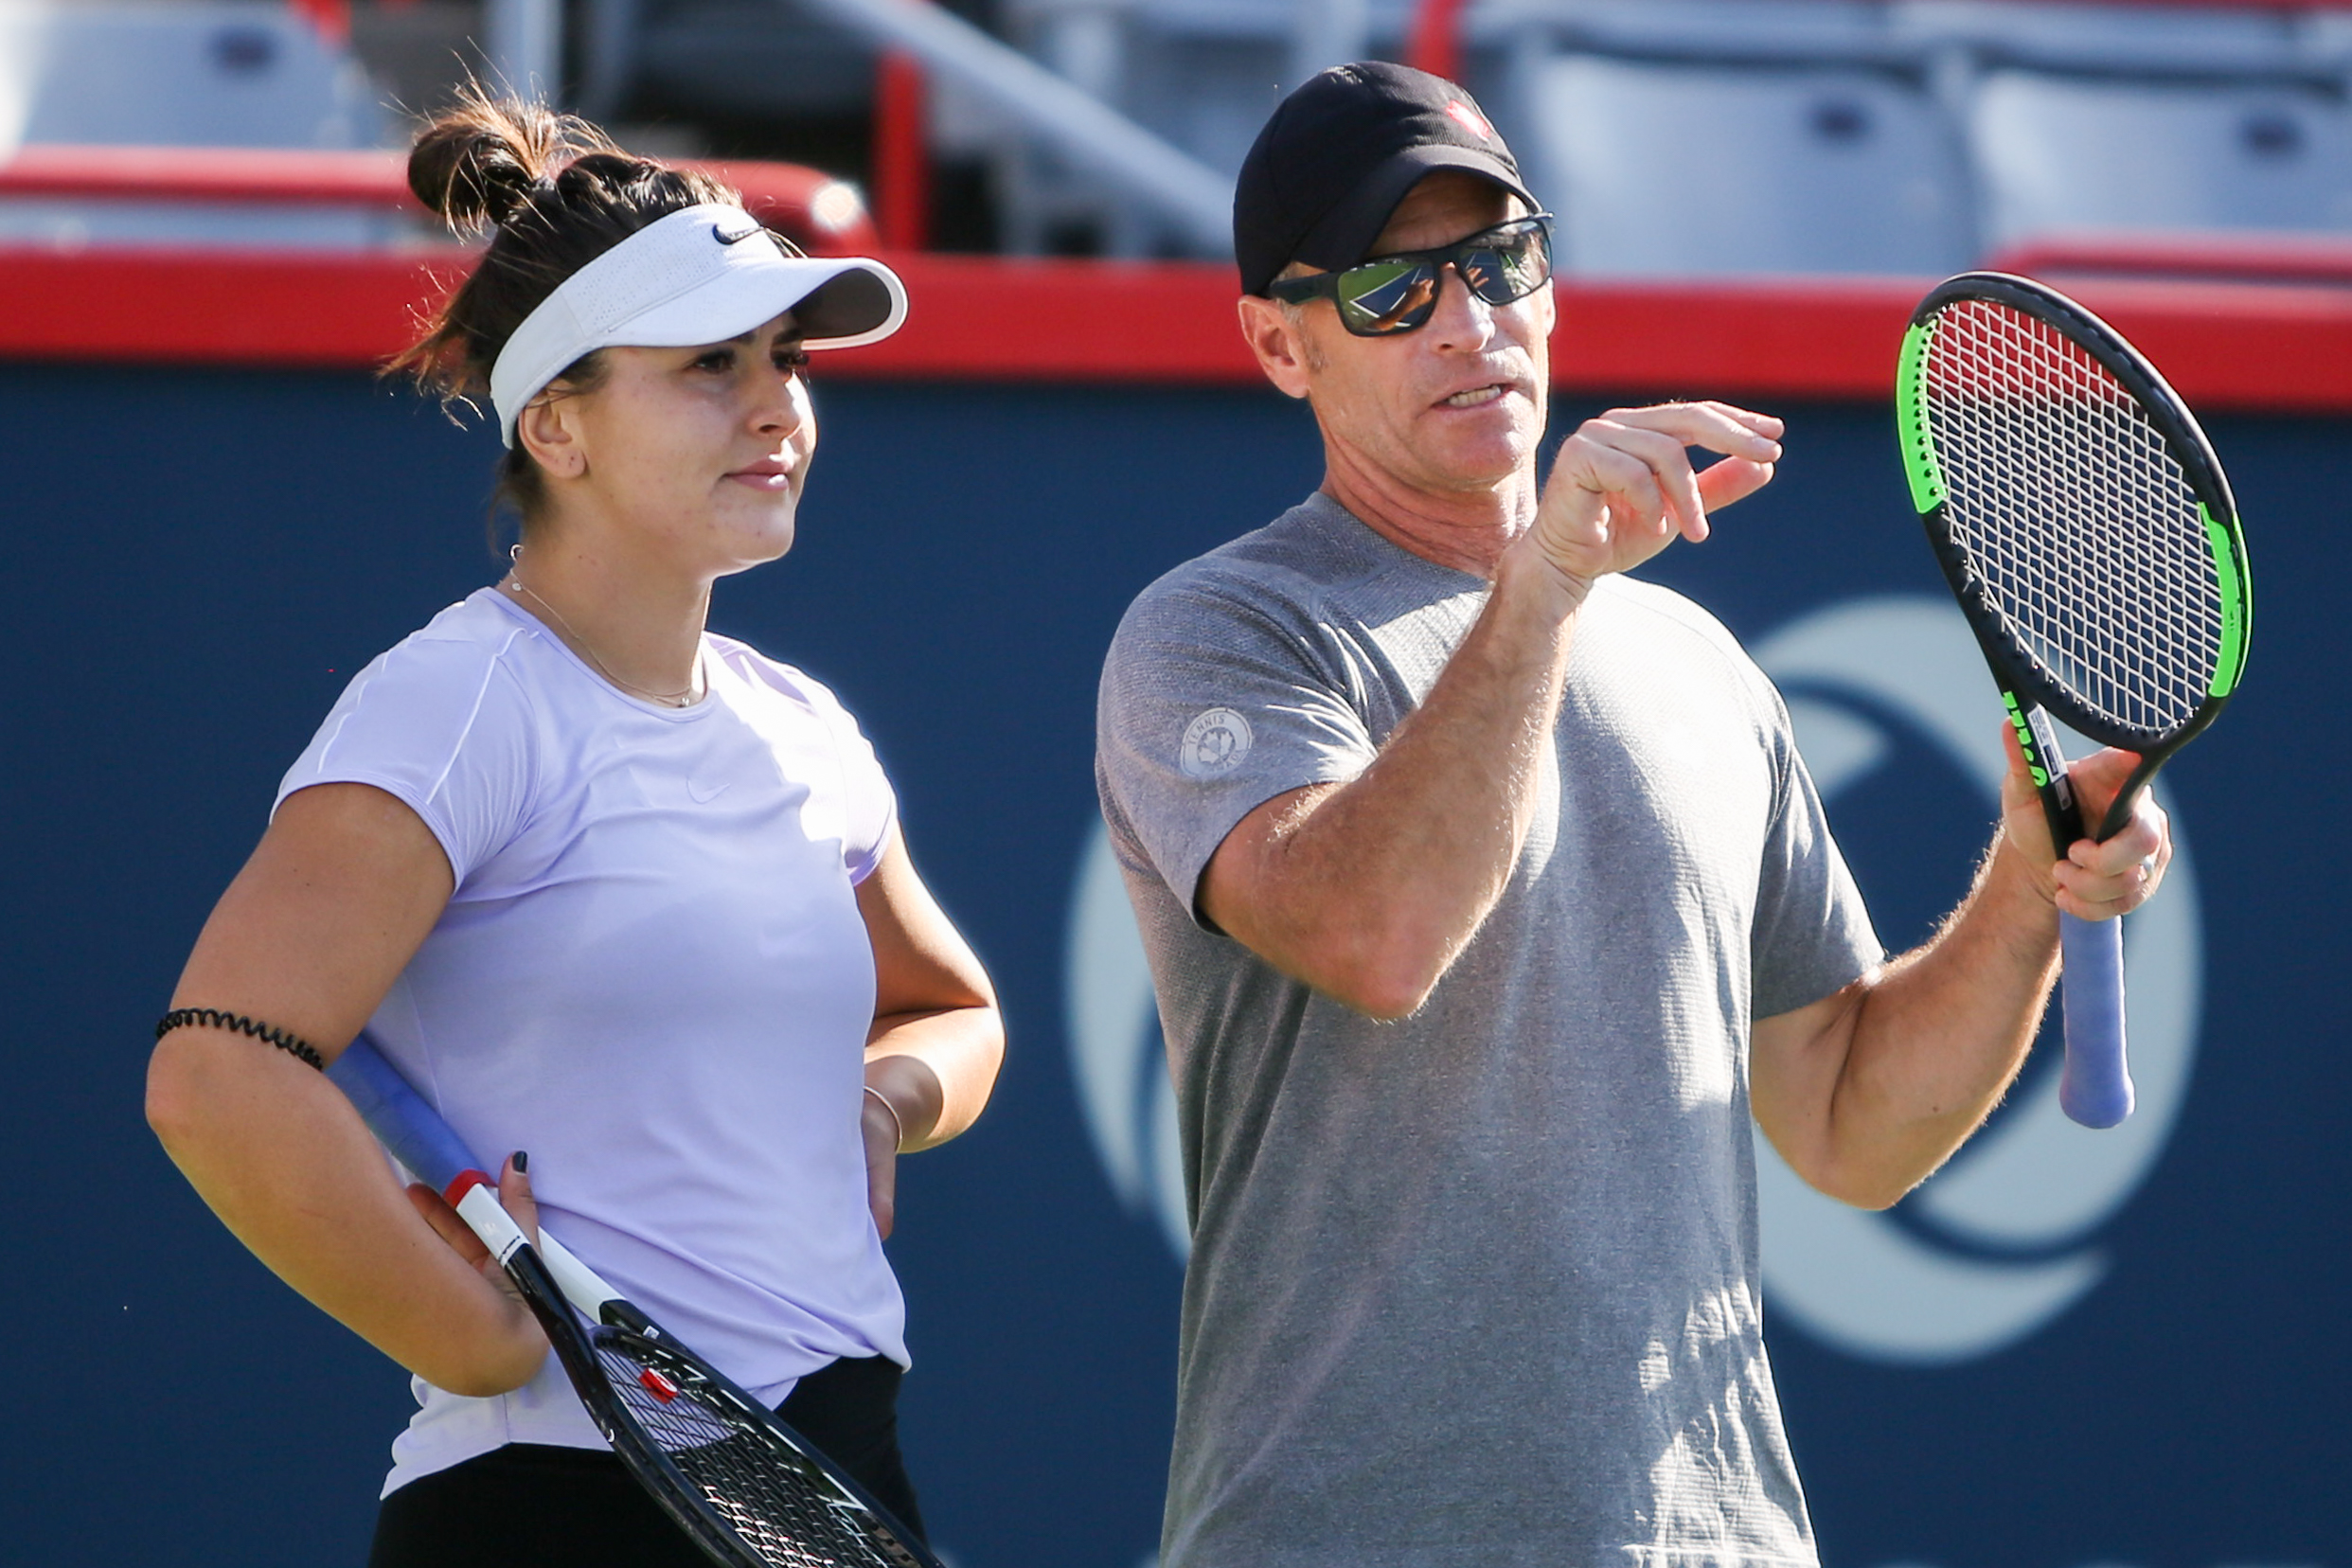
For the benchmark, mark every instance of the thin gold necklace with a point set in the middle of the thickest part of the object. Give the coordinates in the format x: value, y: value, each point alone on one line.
x: 671, y: 699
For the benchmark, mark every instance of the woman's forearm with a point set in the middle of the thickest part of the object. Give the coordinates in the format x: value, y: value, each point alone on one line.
x: 935, y: 1069
x: 279, y: 1153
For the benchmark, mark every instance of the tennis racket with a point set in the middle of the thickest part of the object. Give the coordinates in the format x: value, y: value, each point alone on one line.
x: 743, y: 1486
x: 2088, y: 532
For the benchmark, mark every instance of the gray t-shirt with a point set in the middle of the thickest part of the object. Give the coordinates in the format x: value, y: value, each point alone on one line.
x: 1480, y: 1286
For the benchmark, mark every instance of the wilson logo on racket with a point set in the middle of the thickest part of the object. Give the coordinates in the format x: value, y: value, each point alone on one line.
x: 2086, y: 530
x: 2026, y: 740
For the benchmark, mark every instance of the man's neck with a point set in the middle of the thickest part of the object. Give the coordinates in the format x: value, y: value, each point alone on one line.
x: 1466, y: 530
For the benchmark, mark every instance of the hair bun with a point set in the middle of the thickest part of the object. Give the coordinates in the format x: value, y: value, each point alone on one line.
x: 560, y: 194
x: 480, y: 159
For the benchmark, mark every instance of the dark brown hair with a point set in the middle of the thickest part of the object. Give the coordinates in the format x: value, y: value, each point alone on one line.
x: 555, y: 193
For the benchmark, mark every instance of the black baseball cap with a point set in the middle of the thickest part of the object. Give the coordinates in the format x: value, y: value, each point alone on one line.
x: 1341, y: 153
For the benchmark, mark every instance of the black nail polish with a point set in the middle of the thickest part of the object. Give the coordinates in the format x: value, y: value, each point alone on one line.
x: 521, y: 1162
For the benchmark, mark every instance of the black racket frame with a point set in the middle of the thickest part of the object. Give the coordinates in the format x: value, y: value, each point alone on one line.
x: 2023, y: 674
x: 637, y: 1336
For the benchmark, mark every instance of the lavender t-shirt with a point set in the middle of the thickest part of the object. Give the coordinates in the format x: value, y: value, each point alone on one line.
x: 652, y: 975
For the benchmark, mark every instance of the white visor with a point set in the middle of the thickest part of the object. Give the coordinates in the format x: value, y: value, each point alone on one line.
x: 702, y: 275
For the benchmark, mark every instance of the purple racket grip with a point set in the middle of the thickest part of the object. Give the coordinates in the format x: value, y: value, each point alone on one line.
x: 2096, y: 1088
x: 399, y: 1117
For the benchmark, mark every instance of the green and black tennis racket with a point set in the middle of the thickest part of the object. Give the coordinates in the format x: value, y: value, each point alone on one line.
x: 2088, y: 534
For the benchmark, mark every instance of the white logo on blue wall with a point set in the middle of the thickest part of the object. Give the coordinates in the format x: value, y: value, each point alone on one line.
x: 1115, y: 1050
x: 2035, y: 1185
x: 2018, y: 1204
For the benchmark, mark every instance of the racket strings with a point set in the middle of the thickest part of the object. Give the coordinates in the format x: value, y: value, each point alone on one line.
x: 2075, y: 516
x: 785, y: 1510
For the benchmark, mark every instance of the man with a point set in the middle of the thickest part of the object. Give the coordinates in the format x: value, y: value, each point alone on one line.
x: 1486, y: 900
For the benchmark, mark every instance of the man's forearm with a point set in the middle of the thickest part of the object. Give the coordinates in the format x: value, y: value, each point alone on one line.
x: 1931, y: 1045
x: 1368, y: 890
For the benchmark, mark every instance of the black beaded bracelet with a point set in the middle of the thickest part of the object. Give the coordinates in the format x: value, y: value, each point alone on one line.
x: 293, y: 1045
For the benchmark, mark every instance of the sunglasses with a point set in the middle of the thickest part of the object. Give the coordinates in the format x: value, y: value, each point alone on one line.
x: 1399, y: 294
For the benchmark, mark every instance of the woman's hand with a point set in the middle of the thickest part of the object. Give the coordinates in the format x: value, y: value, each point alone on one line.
x: 521, y: 1344
x: 931, y: 1054
x: 343, y: 886
x: 879, y: 1127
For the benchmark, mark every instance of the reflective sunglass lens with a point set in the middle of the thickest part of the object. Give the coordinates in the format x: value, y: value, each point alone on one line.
x: 1379, y: 297
x: 1512, y: 268
x: 1489, y: 276
x: 1388, y: 297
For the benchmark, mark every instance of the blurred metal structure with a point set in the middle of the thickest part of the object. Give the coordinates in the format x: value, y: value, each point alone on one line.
x: 1674, y: 137
x: 1080, y: 128
x: 524, y: 41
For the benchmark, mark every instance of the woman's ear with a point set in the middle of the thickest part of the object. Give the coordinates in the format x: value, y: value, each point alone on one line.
x: 548, y: 430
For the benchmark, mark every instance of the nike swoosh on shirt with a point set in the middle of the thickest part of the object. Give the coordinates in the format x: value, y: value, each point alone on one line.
x: 702, y: 797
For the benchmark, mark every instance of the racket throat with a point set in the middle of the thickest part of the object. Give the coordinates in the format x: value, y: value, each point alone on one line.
x: 616, y: 1313
x: 2045, y: 764
x: 2126, y: 799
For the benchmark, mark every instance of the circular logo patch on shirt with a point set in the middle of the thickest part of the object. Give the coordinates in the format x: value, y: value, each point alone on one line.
x: 1215, y: 742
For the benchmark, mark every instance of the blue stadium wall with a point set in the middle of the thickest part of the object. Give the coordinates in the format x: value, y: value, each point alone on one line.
x: 2125, y: 1355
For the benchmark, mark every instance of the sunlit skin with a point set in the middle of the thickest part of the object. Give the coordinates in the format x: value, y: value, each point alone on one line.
x: 678, y: 467
x: 1368, y: 889
x: 1429, y: 435
x: 1391, y: 408
x: 675, y: 467
x: 1400, y: 450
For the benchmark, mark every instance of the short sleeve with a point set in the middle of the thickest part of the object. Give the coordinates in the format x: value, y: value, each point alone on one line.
x: 441, y: 724
x: 869, y: 806
x: 1211, y: 705
x: 1812, y: 934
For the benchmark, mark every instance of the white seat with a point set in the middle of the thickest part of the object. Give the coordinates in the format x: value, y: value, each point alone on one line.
x: 126, y: 73
x: 1689, y: 170
x: 2103, y: 37
x: 188, y: 75
x: 2059, y: 154
x: 1707, y: 30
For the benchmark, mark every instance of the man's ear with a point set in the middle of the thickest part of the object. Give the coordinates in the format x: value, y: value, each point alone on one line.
x: 547, y: 430
x: 1277, y: 341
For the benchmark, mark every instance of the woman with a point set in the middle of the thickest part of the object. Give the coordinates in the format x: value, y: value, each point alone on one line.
x: 616, y: 893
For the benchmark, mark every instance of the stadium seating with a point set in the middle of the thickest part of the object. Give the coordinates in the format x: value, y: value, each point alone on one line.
x: 1674, y: 137
x: 2060, y: 154
x: 2164, y: 39
x: 1697, y: 170
x: 221, y: 74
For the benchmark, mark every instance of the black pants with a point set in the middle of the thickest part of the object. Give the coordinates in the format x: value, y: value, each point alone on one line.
x: 529, y: 1503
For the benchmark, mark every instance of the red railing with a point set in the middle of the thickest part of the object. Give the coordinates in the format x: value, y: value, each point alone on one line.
x: 2234, y: 258
x: 816, y: 209
x: 2227, y: 341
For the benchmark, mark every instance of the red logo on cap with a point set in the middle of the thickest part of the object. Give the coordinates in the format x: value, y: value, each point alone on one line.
x: 1471, y: 119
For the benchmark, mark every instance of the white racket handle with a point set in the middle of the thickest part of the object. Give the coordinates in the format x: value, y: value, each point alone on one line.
x: 479, y: 1208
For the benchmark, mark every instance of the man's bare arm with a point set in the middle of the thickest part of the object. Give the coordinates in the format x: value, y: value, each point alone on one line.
x: 1368, y: 890
x: 1868, y: 1092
